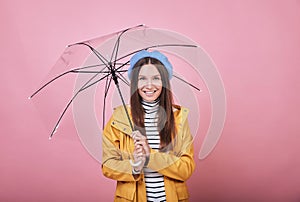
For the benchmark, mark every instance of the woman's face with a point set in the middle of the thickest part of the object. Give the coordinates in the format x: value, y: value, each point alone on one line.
x: 149, y: 83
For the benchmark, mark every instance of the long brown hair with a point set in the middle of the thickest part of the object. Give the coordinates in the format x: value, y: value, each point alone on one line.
x: 166, y: 122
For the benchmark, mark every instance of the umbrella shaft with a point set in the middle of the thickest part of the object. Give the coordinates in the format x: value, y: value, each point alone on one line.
x: 115, y: 78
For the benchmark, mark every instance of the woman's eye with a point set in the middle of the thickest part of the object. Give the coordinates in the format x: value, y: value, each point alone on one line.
x: 156, y: 78
x: 142, y: 78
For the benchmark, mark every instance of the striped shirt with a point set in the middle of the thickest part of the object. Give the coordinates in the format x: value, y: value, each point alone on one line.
x: 155, y: 186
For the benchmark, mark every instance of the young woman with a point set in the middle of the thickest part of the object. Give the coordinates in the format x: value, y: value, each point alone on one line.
x: 152, y: 162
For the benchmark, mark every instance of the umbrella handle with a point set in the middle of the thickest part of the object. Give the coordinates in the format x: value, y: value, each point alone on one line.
x: 135, y: 164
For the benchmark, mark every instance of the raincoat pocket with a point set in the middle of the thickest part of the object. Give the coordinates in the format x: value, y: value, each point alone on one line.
x: 125, y: 191
x: 182, y: 192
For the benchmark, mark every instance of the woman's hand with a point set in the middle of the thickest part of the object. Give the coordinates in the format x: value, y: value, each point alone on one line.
x: 139, y: 159
x: 140, y: 139
x: 141, y: 151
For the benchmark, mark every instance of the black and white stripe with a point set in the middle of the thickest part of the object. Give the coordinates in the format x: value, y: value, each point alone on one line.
x: 155, y: 186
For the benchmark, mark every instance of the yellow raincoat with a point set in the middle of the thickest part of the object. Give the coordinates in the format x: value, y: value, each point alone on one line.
x: 176, y: 165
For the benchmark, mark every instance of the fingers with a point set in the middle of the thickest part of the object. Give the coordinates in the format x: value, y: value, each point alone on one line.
x: 136, y: 135
x: 140, y: 141
x: 138, y: 150
x: 139, y: 158
x: 141, y: 144
x: 145, y: 147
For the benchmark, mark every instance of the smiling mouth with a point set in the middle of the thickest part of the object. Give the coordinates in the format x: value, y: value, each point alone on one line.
x: 149, y: 92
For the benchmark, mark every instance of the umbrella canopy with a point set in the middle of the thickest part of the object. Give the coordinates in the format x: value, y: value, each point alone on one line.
x: 94, y: 65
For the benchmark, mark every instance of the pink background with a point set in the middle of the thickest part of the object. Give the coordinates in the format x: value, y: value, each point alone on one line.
x: 255, y: 45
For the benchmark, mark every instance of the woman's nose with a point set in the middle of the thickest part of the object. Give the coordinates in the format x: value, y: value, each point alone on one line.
x: 149, y: 83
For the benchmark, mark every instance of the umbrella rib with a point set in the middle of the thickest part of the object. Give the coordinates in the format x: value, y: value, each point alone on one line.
x: 122, y: 78
x: 89, y: 72
x: 91, y: 84
x: 117, y: 44
x: 57, y: 77
x: 85, y: 86
x: 107, y: 86
x: 190, y: 84
x: 69, y: 103
x: 124, y: 64
x: 117, y: 51
x: 99, y: 55
x: 120, y: 93
x: 116, y: 48
x: 119, y: 73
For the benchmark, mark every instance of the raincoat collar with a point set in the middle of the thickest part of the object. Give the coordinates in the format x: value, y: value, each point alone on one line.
x: 121, y: 122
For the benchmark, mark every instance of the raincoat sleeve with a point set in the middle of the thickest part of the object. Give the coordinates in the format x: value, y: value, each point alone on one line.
x: 178, y: 165
x: 115, y: 159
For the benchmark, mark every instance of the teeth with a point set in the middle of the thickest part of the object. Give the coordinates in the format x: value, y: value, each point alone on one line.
x: 150, y: 92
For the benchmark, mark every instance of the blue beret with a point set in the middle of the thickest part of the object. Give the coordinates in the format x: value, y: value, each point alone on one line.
x: 155, y: 54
